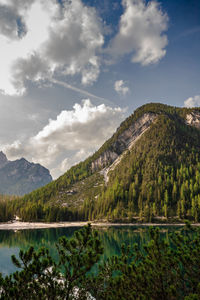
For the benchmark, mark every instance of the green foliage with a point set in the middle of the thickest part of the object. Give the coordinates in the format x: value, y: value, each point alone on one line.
x: 6, y: 207
x: 164, y: 268
x: 158, y: 177
x: 42, y: 278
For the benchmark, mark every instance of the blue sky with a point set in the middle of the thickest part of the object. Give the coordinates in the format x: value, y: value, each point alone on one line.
x: 71, y: 71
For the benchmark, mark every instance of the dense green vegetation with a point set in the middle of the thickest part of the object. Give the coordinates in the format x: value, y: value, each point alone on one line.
x: 41, y: 277
x: 6, y: 207
x: 158, y: 177
x: 164, y: 268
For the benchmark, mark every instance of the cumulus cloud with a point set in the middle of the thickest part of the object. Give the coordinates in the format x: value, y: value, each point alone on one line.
x: 47, y: 39
x: 50, y: 39
x: 11, y: 24
x: 141, y: 32
x: 71, y: 137
x: 66, y: 163
x: 192, y: 101
x: 120, y: 87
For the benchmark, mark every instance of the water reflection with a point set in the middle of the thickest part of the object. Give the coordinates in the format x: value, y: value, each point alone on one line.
x: 112, y: 238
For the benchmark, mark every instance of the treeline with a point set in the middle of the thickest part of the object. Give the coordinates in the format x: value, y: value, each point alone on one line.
x: 6, y: 207
x: 83, y: 169
x: 158, y: 177
x: 161, y: 269
x: 33, y: 212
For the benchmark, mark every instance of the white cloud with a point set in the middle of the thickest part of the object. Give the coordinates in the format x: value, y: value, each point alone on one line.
x: 69, y: 161
x: 71, y: 137
x: 120, y: 87
x: 50, y: 39
x: 141, y: 32
x: 47, y: 40
x: 192, y: 101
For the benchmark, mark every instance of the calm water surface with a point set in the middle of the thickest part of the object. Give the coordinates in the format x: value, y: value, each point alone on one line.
x: 112, y: 238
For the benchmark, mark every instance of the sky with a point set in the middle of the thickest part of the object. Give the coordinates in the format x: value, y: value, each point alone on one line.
x: 72, y: 71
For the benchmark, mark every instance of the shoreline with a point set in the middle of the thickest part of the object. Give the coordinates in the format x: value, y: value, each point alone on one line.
x: 17, y: 225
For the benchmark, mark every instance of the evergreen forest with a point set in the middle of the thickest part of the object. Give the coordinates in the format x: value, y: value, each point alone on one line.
x: 162, y: 269
x: 158, y: 179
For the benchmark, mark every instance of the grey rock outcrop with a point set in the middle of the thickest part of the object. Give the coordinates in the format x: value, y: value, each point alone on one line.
x: 193, y: 119
x: 124, y: 141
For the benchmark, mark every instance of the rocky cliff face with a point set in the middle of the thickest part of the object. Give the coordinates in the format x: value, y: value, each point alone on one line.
x: 20, y: 176
x: 124, y: 141
x: 193, y: 119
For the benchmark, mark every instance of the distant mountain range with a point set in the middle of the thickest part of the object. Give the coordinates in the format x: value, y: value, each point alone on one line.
x: 149, y: 169
x: 20, y: 177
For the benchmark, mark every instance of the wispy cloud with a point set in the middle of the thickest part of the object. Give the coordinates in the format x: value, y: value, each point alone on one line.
x: 80, y: 91
x: 189, y: 32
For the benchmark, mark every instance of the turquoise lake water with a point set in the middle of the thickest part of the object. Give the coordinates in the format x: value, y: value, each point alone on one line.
x: 112, y: 238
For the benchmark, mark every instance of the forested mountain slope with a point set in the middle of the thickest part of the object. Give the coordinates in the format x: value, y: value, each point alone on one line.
x: 150, y: 167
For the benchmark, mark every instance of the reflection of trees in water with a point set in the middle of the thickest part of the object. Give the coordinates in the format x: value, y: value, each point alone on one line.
x: 23, y: 238
x: 112, y: 238
x: 38, y: 238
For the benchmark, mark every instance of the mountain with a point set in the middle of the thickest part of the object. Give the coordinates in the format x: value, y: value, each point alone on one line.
x: 149, y: 169
x: 20, y: 176
x: 3, y: 159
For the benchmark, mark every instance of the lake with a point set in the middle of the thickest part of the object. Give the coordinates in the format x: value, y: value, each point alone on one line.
x: 112, y: 238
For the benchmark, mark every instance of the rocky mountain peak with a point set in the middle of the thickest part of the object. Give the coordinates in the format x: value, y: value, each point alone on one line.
x: 21, y: 176
x: 139, y: 173
x: 3, y: 159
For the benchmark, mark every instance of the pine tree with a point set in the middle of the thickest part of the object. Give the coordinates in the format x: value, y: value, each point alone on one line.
x: 42, y: 278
